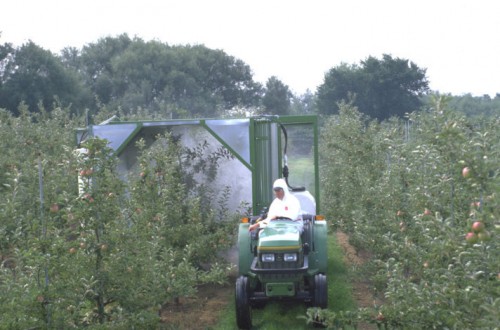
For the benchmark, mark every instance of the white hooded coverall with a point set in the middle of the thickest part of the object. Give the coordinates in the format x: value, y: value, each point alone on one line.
x: 288, y: 207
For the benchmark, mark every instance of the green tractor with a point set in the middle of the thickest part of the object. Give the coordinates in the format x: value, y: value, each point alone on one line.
x: 279, y: 262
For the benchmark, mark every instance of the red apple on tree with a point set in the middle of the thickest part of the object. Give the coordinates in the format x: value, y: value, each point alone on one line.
x: 89, y: 198
x: 54, y: 208
x: 478, y: 226
x: 466, y: 172
x: 87, y: 172
x: 471, y: 238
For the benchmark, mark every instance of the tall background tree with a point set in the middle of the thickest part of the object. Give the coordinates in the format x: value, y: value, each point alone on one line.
x: 304, y: 103
x: 37, y: 77
x: 175, y: 81
x: 380, y: 88
x: 277, y: 97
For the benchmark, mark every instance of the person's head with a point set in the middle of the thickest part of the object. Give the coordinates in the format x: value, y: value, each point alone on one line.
x: 279, y: 192
x: 280, y: 188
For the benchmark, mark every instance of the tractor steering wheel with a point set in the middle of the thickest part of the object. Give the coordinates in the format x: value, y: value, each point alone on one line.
x: 283, y: 218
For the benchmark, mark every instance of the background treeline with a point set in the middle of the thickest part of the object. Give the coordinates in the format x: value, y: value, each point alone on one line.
x: 124, y: 75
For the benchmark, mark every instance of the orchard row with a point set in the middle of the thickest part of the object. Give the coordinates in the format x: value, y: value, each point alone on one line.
x: 107, y: 257
x: 423, y: 196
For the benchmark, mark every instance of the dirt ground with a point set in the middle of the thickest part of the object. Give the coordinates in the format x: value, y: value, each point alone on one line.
x: 201, y: 312
x: 363, y: 293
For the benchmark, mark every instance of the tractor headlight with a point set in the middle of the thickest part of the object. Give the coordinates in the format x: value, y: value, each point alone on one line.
x: 290, y: 257
x: 267, y: 257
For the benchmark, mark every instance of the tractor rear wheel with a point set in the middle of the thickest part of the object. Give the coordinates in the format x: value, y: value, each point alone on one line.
x: 243, y: 308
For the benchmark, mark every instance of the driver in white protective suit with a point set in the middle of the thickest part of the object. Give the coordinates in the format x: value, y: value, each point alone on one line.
x: 285, y: 205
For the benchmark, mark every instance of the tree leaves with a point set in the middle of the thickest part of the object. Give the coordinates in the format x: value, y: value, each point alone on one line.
x: 379, y: 88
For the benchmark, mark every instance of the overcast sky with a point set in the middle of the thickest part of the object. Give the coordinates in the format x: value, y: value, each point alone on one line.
x: 298, y: 41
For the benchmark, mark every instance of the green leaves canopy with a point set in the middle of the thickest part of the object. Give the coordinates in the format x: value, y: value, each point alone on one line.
x: 277, y: 97
x: 130, y: 75
x: 379, y: 88
x: 35, y: 76
x: 172, y: 80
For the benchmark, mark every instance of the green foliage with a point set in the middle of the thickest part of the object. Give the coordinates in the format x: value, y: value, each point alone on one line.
x: 38, y: 78
x: 133, y: 77
x: 277, y: 97
x: 174, y: 81
x: 379, y: 88
x: 472, y: 106
x: 398, y: 189
x: 127, y: 75
x: 304, y: 104
x: 349, y: 139
x: 110, y: 256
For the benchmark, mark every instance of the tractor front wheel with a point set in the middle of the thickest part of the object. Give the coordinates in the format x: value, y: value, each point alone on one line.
x: 320, y: 299
x: 243, y: 308
x: 320, y: 291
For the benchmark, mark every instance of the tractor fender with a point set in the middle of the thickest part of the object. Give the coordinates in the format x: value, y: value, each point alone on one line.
x: 320, y: 246
x: 245, y: 253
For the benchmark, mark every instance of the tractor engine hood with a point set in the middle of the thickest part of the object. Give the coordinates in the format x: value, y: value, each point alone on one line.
x: 278, y: 237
